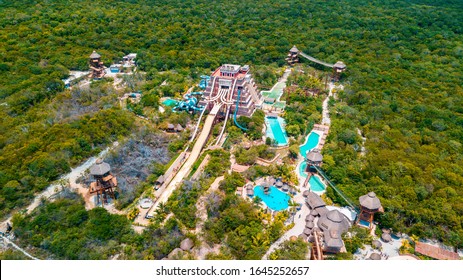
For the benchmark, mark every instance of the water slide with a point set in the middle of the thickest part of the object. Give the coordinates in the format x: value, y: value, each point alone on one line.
x: 313, y: 59
x: 186, y: 168
x: 224, y: 125
x: 236, y: 111
x: 197, y: 125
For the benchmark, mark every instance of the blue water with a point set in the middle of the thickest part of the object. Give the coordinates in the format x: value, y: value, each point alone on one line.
x: 364, y: 223
x: 275, y: 200
x: 315, y: 184
x: 311, y: 143
x: 170, y: 102
x: 276, y: 130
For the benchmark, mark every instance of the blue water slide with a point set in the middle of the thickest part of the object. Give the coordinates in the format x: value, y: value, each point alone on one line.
x: 236, y: 111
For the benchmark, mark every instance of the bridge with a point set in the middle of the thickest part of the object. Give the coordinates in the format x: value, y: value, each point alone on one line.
x: 294, y: 53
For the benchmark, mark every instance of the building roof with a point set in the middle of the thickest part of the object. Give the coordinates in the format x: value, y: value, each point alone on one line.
x: 95, y: 55
x: 333, y: 241
x: 370, y: 201
x: 340, y: 65
x: 386, y: 237
x: 250, y: 191
x: 307, y: 231
x: 309, y: 225
x: 179, y: 127
x: 314, y: 201
x: 170, y: 126
x: 99, y: 168
x: 294, y: 49
x: 314, y: 156
x: 375, y: 256
x: 186, y: 244
x: 435, y: 252
x: 309, y: 218
x: 279, y: 184
x: 333, y: 221
x: 322, y: 210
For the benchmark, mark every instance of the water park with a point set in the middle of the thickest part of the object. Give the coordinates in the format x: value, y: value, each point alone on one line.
x: 275, y: 130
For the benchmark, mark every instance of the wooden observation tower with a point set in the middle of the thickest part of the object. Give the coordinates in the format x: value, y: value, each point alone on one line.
x: 104, y: 183
x: 96, y: 66
x: 369, y: 205
x: 293, y: 56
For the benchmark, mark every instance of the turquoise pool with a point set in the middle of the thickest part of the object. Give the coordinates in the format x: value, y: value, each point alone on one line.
x: 275, y: 200
x: 310, y: 143
x: 315, y: 184
x: 170, y: 102
x: 276, y: 131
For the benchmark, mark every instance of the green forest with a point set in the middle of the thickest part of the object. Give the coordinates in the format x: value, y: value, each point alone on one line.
x: 403, y: 92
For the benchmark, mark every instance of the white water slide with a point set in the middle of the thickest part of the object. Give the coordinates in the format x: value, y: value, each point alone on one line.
x: 186, y: 168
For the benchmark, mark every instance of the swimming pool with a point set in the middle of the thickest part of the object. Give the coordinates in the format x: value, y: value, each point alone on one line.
x: 315, y: 183
x: 275, y: 200
x: 310, y: 143
x: 170, y: 102
x: 276, y: 131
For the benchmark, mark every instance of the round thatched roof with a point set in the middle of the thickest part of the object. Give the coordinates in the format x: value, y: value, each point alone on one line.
x: 279, y: 184
x: 99, y: 168
x: 386, y: 237
x: 95, y: 55
x: 375, y: 256
x: 370, y: 201
x: 314, y: 156
x: 294, y: 49
x: 334, y: 221
x: 305, y: 193
x: 340, y: 65
x: 285, y: 187
x: 376, y: 244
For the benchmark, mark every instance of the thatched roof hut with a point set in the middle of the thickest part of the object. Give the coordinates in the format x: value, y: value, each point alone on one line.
x: 314, y: 201
x: 333, y: 221
x: 285, y: 187
x: 332, y: 242
x: 375, y: 257
x: 99, y: 168
x: 186, y: 244
x: 386, y: 237
x: 279, y: 184
x: 370, y: 202
x: 95, y: 55
x: 314, y: 157
x: 179, y: 128
x: 294, y: 49
x: 170, y: 126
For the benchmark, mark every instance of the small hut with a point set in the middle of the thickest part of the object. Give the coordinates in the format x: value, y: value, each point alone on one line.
x: 314, y: 158
x: 179, y: 128
x: 186, y: 244
x: 369, y: 205
x: 104, y: 183
x: 386, y: 237
x: 375, y: 256
x: 279, y: 184
x: 285, y: 187
x: 170, y: 127
x: 332, y: 242
x: 314, y: 201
